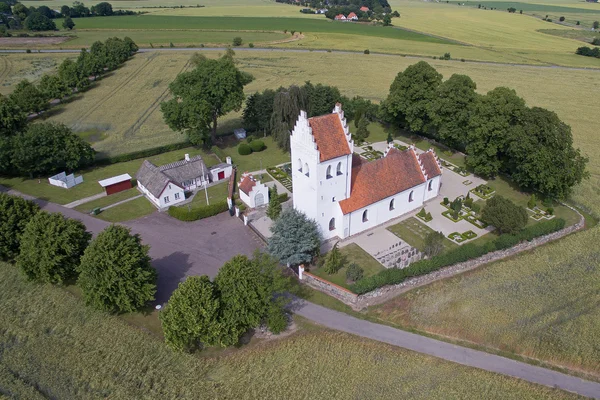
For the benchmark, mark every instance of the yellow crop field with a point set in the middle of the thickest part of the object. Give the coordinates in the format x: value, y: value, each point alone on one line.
x: 52, y: 343
x: 543, y: 305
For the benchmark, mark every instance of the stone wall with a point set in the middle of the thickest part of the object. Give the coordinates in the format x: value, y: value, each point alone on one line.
x: 331, y: 289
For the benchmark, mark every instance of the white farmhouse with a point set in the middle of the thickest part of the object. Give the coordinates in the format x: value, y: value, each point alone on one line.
x: 345, y: 194
x: 252, y: 192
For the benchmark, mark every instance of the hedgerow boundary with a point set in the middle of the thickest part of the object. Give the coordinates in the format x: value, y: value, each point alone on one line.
x: 382, y: 294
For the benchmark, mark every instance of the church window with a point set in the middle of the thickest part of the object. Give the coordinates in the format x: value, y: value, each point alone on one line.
x: 430, y: 187
x: 306, y: 171
x: 411, y: 196
x: 333, y: 199
x: 339, y: 168
x: 332, y: 224
x: 299, y: 165
x: 392, y: 205
x: 365, y: 217
x: 328, y: 175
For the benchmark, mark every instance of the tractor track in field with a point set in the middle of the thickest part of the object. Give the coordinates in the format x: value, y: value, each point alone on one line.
x: 6, y: 70
x: 150, y: 110
x: 114, y: 91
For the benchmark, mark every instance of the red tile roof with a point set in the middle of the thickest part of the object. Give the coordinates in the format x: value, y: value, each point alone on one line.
x: 329, y: 136
x: 363, y: 8
x: 247, y: 184
x: 430, y: 165
x: 376, y: 180
x: 352, y: 15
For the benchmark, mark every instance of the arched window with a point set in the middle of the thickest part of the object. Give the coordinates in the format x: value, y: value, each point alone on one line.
x: 392, y: 204
x: 365, y: 216
x: 339, y: 168
x: 332, y: 224
x: 430, y: 187
x: 299, y: 165
x: 411, y: 196
x: 328, y: 175
x: 306, y: 171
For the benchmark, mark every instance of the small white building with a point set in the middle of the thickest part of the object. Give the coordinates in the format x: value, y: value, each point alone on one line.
x: 344, y: 193
x: 252, y: 192
x: 65, y: 181
x: 240, y: 133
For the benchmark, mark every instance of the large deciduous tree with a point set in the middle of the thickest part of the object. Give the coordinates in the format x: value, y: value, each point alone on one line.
x: 15, y: 213
x: 258, y: 110
x: 211, y: 90
x: 491, y: 129
x: 505, y: 215
x: 191, y: 318
x: 286, y: 108
x: 52, y: 87
x: 296, y: 239
x: 51, y: 247
x: 28, y: 97
x: 410, y: 95
x: 46, y: 148
x: 115, y: 273
x: 12, y: 117
x: 39, y: 22
x: 542, y: 157
x: 451, y: 110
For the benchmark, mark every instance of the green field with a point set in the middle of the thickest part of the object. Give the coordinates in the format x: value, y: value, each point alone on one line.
x: 51, y: 346
x: 504, y: 5
x: 107, y: 200
x: 133, y: 209
x: 15, y: 67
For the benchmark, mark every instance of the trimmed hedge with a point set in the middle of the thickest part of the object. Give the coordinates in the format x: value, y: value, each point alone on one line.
x: 257, y: 145
x: 283, y: 197
x: 182, y: 213
x: 141, y: 154
x: 463, y: 253
x: 244, y: 149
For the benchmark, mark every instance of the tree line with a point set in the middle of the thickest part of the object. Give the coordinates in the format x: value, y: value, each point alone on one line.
x: 497, y: 131
x: 16, y: 16
x: 588, y: 51
x: 115, y: 275
x: 46, y: 148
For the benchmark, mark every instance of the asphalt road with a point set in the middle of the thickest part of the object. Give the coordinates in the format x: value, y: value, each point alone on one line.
x: 181, y: 249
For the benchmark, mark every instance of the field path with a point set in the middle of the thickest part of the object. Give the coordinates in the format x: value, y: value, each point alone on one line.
x: 340, y: 321
x: 255, y: 49
x: 6, y: 69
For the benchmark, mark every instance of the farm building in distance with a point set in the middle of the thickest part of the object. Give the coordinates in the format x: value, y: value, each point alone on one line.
x: 116, y: 184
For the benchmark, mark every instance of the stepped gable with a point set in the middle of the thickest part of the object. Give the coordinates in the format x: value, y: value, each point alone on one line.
x: 247, y: 184
x: 430, y: 164
x: 377, y: 180
x: 329, y: 136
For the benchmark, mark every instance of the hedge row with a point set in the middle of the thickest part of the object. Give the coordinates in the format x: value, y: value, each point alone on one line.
x: 463, y: 253
x: 141, y: 154
x: 183, y: 214
x: 283, y: 197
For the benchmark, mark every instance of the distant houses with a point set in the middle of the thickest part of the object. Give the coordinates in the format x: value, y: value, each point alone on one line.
x: 364, y: 9
x: 352, y: 17
x: 340, y: 17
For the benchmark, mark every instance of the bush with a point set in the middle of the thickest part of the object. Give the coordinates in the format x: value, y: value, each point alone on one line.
x: 251, y: 45
x: 505, y: 215
x: 334, y: 261
x: 561, y: 19
x: 219, y: 153
x: 257, y: 145
x: 475, y: 207
x: 531, y: 203
x: 15, y: 214
x: 367, y: 51
x: 354, y: 272
x: 446, y: 201
x: 244, y: 149
x: 249, y: 139
x: 283, y: 197
x: 183, y: 214
x: 237, y: 41
x: 277, y: 320
x: 550, y: 210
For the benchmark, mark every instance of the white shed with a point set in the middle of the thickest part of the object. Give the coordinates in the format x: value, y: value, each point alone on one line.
x: 252, y: 192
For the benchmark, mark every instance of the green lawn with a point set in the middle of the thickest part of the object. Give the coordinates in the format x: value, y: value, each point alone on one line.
x: 270, y: 156
x: 107, y: 200
x: 504, y: 5
x: 216, y: 193
x: 43, y: 190
x: 127, y: 211
x: 155, y: 22
x: 354, y: 254
x: 413, y: 232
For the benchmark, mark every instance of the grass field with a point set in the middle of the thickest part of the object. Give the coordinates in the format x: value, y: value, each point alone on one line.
x: 133, y: 209
x: 51, y: 346
x: 543, y: 304
x: 15, y: 67
x: 216, y: 193
x: 107, y: 200
x: 269, y: 157
x: 577, y: 34
x: 354, y: 254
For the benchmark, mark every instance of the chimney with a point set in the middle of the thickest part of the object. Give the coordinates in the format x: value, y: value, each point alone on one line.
x: 228, y: 160
x: 187, y: 157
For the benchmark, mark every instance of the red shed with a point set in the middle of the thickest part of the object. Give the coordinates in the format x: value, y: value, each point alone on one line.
x: 116, y: 184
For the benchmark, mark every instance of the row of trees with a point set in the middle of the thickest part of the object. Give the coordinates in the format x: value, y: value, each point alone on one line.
x: 113, y: 271
x: 46, y: 148
x: 588, y: 51
x: 498, y: 132
x: 275, y: 112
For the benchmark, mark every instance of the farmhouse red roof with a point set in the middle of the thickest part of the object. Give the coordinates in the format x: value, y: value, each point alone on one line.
x: 329, y: 136
x: 430, y: 164
x: 363, y: 8
x: 376, y: 180
x: 352, y: 15
x: 247, y: 184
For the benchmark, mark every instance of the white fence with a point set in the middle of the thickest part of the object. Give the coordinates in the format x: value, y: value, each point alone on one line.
x: 65, y: 181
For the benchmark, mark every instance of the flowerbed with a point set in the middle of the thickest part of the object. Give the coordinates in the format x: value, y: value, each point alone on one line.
x: 483, y: 191
x: 281, y: 176
x: 461, y: 237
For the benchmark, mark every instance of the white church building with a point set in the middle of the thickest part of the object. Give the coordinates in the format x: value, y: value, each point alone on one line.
x: 346, y: 194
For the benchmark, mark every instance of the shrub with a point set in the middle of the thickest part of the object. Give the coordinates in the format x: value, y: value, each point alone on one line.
x: 334, y: 261
x: 550, y: 210
x: 547, y: 202
x: 283, y: 197
x: 422, y: 213
x: 367, y: 51
x: 257, y: 145
x: 183, y: 214
x: 354, y: 272
x: 28, y: 51
x: 244, y: 149
x: 251, y: 45
x: 505, y: 215
x: 15, y: 213
x: 237, y: 41
x: 561, y: 19
x: 532, y: 202
x: 446, y: 201
x: 171, y: 44
x: 578, y: 23
x: 475, y: 207
x: 249, y: 139
x: 277, y: 320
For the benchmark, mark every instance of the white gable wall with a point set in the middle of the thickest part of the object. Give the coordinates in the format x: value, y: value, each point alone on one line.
x: 171, y: 195
x: 435, y: 187
x: 258, y: 189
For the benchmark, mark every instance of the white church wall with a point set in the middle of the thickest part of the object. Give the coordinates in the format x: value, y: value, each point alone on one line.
x: 435, y: 188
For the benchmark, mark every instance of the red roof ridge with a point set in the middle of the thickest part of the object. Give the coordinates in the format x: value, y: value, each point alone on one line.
x: 329, y: 135
x: 247, y: 183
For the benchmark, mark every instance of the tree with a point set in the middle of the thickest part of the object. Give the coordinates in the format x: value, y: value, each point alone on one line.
x: 287, y: 104
x: 505, y: 215
x: 452, y: 108
x: 434, y: 244
x: 491, y: 128
x: 133, y: 47
x: 237, y: 41
x: 321, y: 99
x: 362, y: 133
x: 5, y: 8
x: 28, y: 97
x: 67, y: 72
x: 296, y: 239
x: 51, y: 247
x: 258, y: 110
x: 79, y: 10
x: 410, y: 95
x: 46, y: 12
x: 103, y: 9
x: 274, y: 209
x: 387, y: 20
x: 532, y: 202
x: 596, y: 25
x: 354, y: 272
x: 52, y: 87
x: 12, y: 118
x: 191, y: 318
x: 15, y: 213
x: 334, y: 261
x: 65, y: 10
x: 20, y: 11
x: 213, y: 89
x: 115, y: 274
x: 39, y: 22
x: 390, y: 138
x: 47, y: 148
x: 542, y: 158
x: 68, y: 23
